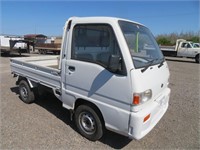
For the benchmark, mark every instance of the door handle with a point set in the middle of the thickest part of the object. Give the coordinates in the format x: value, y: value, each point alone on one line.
x: 71, y: 68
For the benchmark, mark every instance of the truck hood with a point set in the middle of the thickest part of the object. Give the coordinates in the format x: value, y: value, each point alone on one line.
x: 154, y: 78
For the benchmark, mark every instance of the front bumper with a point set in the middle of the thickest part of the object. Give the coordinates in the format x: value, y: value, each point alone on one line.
x: 137, y: 127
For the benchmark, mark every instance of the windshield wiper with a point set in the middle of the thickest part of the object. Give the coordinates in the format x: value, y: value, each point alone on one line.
x: 162, y: 62
x: 149, y: 64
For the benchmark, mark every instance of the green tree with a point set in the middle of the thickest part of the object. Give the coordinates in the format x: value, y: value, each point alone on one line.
x: 170, y: 39
x: 163, y: 41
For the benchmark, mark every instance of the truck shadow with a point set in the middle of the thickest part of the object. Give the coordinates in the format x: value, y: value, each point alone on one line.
x: 14, y: 55
x: 49, y: 102
x: 114, y: 140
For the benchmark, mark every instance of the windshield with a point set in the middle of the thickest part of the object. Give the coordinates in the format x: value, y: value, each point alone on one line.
x: 142, y: 45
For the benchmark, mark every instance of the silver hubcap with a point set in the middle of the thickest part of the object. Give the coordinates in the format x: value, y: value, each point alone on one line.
x: 87, y: 122
x: 24, y: 92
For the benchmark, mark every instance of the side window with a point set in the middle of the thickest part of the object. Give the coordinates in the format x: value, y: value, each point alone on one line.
x: 188, y: 45
x: 184, y: 45
x: 94, y: 43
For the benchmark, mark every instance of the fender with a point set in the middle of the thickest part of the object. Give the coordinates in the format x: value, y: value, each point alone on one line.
x: 32, y: 84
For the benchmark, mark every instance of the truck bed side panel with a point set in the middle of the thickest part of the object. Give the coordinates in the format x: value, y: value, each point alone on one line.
x: 40, y: 74
x: 168, y: 51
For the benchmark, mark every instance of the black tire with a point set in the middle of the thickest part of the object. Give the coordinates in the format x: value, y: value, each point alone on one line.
x: 88, y: 123
x: 40, y: 51
x: 26, y: 93
x: 44, y: 52
x: 197, y: 58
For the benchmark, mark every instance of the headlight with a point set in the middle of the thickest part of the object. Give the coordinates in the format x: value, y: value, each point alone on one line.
x: 140, y: 98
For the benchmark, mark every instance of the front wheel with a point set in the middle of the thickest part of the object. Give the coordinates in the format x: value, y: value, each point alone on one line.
x: 88, y: 123
x: 197, y: 58
x: 40, y: 51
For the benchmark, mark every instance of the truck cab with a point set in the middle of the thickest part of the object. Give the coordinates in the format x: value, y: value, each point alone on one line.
x: 118, y: 61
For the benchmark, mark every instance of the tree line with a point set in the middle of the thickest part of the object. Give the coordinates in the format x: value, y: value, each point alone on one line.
x: 170, y: 39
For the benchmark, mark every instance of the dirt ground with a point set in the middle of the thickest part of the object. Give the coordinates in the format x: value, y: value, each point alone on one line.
x: 45, y: 124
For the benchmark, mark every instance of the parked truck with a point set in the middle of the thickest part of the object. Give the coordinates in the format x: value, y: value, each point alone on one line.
x: 44, y: 48
x: 111, y: 75
x: 51, y: 45
x: 183, y: 48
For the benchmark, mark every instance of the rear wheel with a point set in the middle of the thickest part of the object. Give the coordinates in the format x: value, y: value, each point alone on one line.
x: 40, y: 51
x: 88, y: 123
x: 44, y: 52
x: 26, y: 93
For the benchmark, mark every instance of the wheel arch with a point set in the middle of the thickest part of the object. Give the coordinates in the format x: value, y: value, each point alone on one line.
x: 92, y: 105
x: 197, y: 55
x: 32, y: 84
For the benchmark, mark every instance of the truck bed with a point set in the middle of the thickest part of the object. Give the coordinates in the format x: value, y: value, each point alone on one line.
x: 40, y: 69
x: 43, y: 48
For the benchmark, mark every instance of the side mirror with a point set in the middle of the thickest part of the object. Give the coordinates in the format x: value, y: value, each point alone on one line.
x: 114, y: 63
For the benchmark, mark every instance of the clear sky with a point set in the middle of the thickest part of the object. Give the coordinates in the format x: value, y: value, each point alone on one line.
x: 48, y: 17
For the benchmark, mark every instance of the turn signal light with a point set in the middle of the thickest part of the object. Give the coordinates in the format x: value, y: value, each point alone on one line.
x: 146, y: 118
x: 136, y: 99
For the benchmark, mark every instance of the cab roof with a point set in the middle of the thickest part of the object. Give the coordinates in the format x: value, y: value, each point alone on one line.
x: 99, y: 20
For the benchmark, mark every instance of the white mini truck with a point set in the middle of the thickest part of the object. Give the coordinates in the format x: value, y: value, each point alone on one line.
x: 111, y: 75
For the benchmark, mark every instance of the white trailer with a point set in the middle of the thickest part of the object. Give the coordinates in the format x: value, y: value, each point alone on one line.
x: 12, y: 44
x: 4, y: 42
x: 111, y: 75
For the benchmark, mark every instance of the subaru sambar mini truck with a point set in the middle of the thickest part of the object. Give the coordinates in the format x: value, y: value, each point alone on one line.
x: 110, y: 75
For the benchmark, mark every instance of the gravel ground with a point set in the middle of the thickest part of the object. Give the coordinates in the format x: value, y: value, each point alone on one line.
x: 46, y: 125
